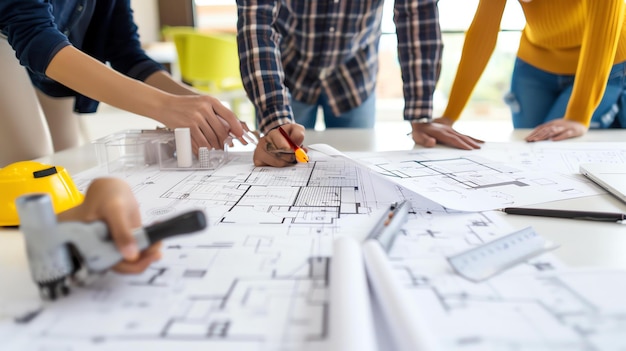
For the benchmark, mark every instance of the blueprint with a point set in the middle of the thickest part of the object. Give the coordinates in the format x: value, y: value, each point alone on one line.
x: 496, y: 177
x: 539, y: 305
x: 256, y: 279
x: 260, y: 277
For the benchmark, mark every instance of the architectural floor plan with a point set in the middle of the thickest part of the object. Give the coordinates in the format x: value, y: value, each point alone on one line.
x: 258, y: 278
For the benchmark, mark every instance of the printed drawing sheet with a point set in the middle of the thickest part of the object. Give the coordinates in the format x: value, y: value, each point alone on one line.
x: 257, y: 279
x: 538, y: 305
x: 497, y: 176
x: 268, y: 274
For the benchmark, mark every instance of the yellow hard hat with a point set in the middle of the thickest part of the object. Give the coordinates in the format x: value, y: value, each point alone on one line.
x: 27, y: 177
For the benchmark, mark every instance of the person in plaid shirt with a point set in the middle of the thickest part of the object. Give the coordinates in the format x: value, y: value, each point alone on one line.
x: 298, y: 55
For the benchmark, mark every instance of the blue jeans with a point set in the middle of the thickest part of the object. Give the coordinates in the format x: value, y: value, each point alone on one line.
x: 359, y: 117
x: 538, y: 96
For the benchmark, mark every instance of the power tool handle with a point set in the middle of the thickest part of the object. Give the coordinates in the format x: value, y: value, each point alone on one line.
x: 188, y: 222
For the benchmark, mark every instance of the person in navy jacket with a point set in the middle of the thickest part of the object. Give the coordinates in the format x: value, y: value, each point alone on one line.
x: 78, y: 53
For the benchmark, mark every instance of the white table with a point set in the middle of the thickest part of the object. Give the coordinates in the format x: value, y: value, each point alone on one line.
x: 583, y: 243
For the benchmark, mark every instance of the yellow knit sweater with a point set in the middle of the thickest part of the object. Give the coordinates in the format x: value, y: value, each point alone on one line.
x: 581, y: 37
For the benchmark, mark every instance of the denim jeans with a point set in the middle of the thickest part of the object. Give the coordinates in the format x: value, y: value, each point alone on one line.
x: 362, y: 116
x: 538, y: 96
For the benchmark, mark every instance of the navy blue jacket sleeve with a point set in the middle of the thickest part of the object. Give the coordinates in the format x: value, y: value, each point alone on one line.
x: 109, y: 36
x: 30, y: 30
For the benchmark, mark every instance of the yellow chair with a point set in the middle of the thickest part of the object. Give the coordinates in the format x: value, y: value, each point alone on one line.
x: 209, y: 62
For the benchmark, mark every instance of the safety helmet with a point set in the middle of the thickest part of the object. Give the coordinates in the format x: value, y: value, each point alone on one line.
x: 27, y: 177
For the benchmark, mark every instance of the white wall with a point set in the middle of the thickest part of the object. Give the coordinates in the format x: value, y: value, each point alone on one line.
x: 147, y: 19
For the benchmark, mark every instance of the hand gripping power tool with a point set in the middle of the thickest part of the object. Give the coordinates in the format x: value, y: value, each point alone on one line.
x: 58, y: 250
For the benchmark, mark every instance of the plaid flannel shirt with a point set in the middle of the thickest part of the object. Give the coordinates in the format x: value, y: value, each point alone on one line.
x: 305, y: 47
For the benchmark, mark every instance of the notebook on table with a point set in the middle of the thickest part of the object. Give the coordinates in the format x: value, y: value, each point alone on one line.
x: 610, y: 176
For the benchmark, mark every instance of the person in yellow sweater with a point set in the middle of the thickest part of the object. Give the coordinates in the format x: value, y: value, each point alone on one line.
x: 570, y: 70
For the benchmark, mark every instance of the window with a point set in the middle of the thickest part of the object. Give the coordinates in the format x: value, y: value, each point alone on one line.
x: 455, y: 17
x: 217, y: 15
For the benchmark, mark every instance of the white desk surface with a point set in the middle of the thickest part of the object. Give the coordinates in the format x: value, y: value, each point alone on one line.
x: 582, y: 243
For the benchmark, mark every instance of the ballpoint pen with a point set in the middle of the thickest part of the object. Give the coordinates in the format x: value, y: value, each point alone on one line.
x: 250, y: 137
x: 247, y: 135
x: 301, y: 155
x: 571, y: 214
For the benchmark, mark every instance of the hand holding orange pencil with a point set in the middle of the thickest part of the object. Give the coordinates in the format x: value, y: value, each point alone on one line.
x: 301, y: 155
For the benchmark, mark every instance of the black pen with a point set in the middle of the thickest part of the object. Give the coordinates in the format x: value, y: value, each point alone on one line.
x: 571, y: 214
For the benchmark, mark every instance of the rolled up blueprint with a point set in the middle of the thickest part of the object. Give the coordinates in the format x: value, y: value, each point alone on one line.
x: 408, y: 327
x: 351, y: 321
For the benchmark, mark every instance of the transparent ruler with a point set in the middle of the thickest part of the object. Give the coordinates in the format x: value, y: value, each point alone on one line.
x: 496, y: 256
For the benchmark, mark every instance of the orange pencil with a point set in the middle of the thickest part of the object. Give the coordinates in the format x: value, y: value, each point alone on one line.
x: 301, y: 156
